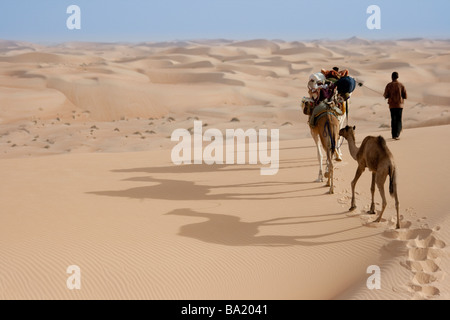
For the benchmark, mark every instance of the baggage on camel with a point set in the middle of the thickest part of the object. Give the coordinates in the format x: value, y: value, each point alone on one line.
x: 346, y: 86
x: 329, y: 91
x: 334, y: 75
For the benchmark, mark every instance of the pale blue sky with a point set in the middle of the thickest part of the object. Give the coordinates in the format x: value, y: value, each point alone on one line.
x: 167, y: 20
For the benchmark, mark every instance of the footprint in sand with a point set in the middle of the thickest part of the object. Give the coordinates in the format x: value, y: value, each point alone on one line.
x: 368, y: 221
x: 423, y: 253
x: 345, y: 200
x: 428, y: 292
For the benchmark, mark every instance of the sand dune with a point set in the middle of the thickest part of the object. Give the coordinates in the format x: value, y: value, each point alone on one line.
x: 240, y: 57
x: 411, y: 54
x: 195, y: 65
x: 390, y: 65
x: 196, y: 51
x: 438, y: 95
x: 121, y: 99
x: 248, y: 70
x: 358, y: 41
x: 305, y: 50
x: 110, y: 80
x: 208, y: 218
x: 177, y: 77
x: 38, y: 57
x: 259, y: 44
x: 87, y: 177
x: 145, y: 63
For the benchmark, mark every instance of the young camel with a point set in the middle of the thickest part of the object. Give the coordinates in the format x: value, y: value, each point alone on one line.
x: 375, y: 155
x: 327, y: 130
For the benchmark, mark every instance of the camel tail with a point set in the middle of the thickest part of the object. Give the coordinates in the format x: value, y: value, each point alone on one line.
x: 332, y: 138
x: 392, y: 169
x: 393, y: 181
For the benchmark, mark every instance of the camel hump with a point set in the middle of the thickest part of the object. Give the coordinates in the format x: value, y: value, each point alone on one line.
x: 383, y: 144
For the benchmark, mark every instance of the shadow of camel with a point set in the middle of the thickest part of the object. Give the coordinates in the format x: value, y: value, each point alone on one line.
x: 181, y: 190
x: 166, y: 189
x: 231, y: 231
x: 203, y: 168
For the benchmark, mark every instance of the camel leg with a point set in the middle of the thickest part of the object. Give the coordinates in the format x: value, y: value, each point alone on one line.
x: 319, y: 155
x: 327, y: 172
x: 338, y: 150
x: 380, y: 183
x: 340, y: 140
x: 372, y: 189
x: 330, y: 171
x: 359, y: 172
x: 397, y: 207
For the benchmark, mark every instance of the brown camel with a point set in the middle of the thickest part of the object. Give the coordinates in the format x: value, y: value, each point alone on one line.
x: 327, y: 130
x: 315, y: 133
x: 375, y: 155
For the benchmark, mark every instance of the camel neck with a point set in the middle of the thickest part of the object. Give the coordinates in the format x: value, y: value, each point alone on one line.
x: 353, y: 148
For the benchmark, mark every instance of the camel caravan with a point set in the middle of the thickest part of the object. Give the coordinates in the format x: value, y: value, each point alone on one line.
x: 327, y: 108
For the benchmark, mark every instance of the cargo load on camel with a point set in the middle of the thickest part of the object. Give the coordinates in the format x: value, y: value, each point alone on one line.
x: 329, y: 92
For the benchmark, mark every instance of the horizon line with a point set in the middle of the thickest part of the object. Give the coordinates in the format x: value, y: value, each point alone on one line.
x: 193, y: 40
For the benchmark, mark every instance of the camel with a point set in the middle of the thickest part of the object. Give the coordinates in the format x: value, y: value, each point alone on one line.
x: 320, y: 146
x: 321, y: 139
x: 375, y: 155
x: 325, y: 134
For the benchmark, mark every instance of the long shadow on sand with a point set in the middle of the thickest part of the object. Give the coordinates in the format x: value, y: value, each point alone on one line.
x: 203, y: 168
x: 182, y: 190
x: 231, y: 231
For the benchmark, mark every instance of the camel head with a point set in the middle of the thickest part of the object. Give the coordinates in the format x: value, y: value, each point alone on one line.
x: 348, y: 132
x: 308, y: 106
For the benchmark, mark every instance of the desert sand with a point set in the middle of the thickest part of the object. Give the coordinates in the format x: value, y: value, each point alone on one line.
x: 87, y: 178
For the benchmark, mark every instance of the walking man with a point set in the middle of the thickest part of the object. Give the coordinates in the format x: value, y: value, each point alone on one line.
x: 396, y: 94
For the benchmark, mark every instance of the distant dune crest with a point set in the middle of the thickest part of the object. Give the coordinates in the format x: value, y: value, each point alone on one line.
x: 259, y: 81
